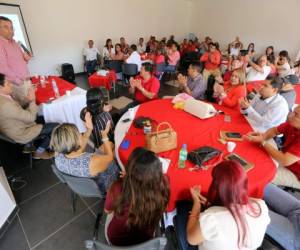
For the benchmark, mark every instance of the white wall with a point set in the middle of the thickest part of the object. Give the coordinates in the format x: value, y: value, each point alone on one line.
x: 264, y: 22
x: 59, y: 29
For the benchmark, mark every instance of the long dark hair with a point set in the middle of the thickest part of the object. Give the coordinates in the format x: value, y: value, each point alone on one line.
x: 94, y: 101
x: 270, y: 57
x: 229, y: 189
x: 145, y: 190
x: 106, y: 44
x: 118, y: 44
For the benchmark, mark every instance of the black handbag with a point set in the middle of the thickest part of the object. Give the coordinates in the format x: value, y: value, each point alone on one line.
x: 202, y: 155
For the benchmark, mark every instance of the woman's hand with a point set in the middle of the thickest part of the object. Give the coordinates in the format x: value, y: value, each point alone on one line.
x: 107, y: 108
x: 196, y: 195
x: 106, y: 130
x: 122, y: 174
x: 88, y: 121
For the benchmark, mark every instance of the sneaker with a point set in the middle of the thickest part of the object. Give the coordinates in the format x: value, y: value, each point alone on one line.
x: 43, y: 156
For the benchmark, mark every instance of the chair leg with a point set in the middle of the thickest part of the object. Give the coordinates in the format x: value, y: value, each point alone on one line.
x: 96, y: 227
x: 31, y: 160
x: 73, y: 200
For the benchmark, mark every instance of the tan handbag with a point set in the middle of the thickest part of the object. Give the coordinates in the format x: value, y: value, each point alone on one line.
x: 162, y: 140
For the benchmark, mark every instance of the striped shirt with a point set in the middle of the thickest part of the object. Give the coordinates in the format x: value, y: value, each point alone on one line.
x: 99, y: 123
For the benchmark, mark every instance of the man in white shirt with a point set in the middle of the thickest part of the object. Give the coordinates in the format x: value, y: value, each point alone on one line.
x: 268, y: 108
x: 258, y: 71
x: 90, y: 57
x: 134, y: 57
x: 141, y: 47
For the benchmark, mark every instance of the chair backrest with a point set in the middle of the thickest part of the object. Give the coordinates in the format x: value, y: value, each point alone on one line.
x: 80, y: 185
x: 158, y: 243
x: 160, y: 67
x: 130, y: 69
x: 115, y: 65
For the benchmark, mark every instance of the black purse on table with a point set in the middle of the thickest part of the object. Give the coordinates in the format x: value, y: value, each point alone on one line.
x: 202, y: 155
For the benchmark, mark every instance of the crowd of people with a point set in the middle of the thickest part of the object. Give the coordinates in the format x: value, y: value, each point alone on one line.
x: 137, y: 196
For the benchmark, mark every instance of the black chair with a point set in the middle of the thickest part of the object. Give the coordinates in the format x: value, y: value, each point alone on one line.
x: 115, y: 65
x: 129, y: 70
x: 28, y: 145
x: 160, y: 69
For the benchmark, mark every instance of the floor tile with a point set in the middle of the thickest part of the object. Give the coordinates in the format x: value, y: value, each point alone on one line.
x: 47, y: 212
x: 14, y: 238
x: 40, y: 178
x: 72, y: 236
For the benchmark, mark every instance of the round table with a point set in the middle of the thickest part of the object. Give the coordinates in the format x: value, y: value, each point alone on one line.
x: 196, y: 133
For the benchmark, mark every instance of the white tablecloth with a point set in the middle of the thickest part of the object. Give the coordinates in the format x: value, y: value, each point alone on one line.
x: 66, y: 109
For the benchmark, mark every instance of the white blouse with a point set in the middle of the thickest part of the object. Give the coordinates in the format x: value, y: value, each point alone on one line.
x: 220, y: 231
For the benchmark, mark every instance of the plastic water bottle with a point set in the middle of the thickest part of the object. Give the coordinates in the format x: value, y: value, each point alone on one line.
x: 182, y: 156
x: 55, y: 88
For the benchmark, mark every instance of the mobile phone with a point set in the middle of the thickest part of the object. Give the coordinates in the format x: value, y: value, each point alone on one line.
x: 125, y: 144
x: 233, y: 135
x: 126, y: 120
x: 234, y: 157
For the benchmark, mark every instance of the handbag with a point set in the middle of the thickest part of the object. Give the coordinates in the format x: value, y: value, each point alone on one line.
x: 202, y: 155
x: 162, y: 140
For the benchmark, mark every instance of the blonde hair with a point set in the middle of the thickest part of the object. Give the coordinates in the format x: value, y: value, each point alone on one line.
x: 65, y: 138
x: 241, y: 74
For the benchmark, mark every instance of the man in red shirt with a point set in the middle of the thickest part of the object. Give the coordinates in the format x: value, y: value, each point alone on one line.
x: 145, y: 87
x: 288, y: 172
x: 212, y: 60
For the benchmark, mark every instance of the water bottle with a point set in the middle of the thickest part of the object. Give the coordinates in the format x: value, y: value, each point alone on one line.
x: 182, y: 156
x: 55, y: 88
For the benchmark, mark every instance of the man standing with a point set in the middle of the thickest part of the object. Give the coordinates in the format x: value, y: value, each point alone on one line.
x: 13, y: 61
x: 194, y: 84
x: 90, y: 57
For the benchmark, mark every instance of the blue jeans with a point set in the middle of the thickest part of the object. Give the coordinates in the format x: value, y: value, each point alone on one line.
x: 284, y: 211
x: 170, y: 68
x: 90, y: 66
x: 180, y: 222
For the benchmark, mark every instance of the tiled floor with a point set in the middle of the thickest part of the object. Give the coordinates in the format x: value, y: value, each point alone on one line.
x: 45, y: 220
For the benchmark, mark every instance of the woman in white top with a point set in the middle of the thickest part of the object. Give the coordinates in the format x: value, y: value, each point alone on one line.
x: 233, y: 221
x: 108, y: 50
x: 282, y: 64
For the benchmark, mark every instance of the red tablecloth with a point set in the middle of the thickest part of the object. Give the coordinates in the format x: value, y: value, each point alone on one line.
x: 195, y: 133
x: 44, y: 94
x: 96, y: 80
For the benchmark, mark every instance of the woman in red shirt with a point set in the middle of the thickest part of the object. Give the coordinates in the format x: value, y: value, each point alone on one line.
x: 231, y: 91
x: 135, y: 204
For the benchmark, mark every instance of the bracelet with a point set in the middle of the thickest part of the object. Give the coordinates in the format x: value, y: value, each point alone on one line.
x: 105, y: 139
x: 263, y: 143
x: 194, y: 216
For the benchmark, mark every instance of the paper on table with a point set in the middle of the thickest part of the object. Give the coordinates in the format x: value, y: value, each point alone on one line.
x: 165, y: 164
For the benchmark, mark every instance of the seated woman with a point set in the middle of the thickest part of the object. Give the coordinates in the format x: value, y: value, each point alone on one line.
x: 108, y: 50
x: 231, y: 91
x: 119, y: 55
x: 70, y: 156
x: 233, y: 220
x: 99, y: 111
x: 135, y: 204
x: 271, y: 59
